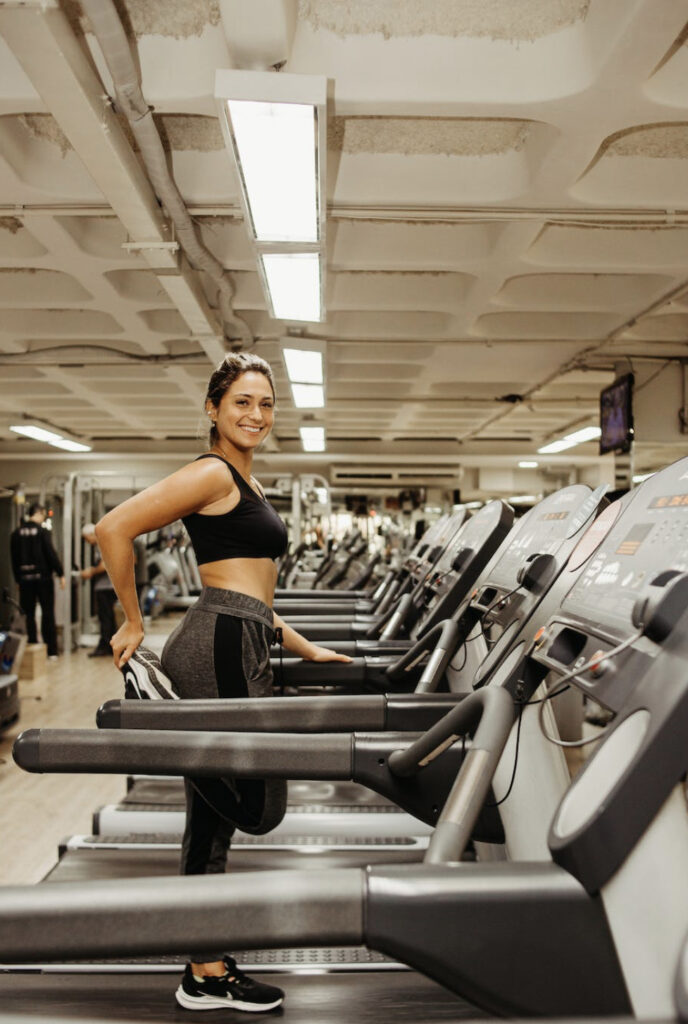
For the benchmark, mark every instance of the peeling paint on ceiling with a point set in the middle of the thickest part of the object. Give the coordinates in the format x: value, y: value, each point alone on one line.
x: 427, y: 135
x: 497, y: 19
x: 176, y: 18
x: 191, y: 131
x: 665, y: 141
x: 11, y: 224
x: 45, y: 128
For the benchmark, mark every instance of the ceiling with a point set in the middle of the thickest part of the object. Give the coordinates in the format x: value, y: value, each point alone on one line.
x: 507, y: 225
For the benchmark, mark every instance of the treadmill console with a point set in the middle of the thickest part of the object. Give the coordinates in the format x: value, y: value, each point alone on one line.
x: 467, y: 540
x: 464, y: 558
x: 437, y: 546
x: 543, y: 530
x: 634, y: 580
x: 427, y: 541
x: 650, y: 537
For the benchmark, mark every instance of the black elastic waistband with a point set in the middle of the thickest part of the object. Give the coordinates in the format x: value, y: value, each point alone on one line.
x: 231, y: 602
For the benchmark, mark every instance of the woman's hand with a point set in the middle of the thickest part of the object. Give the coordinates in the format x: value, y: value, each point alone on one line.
x: 125, y: 641
x: 325, y: 654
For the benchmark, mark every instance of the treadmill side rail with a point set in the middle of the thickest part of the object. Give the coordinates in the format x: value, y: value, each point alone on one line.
x: 258, y: 714
x: 522, y: 939
x: 148, y: 752
x: 172, y: 915
x: 370, y: 712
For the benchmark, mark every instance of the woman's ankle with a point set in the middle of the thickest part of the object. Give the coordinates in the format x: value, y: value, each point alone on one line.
x: 209, y: 970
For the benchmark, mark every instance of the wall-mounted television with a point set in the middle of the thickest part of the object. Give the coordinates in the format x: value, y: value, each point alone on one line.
x: 616, y: 416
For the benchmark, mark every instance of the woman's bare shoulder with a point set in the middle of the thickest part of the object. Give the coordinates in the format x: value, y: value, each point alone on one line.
x: 189, y: 489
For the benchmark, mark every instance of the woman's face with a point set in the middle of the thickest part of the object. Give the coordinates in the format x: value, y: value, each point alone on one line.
x: 246, y: 411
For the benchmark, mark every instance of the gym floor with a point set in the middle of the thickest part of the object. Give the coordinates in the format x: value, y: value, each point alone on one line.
x: 38, y: 811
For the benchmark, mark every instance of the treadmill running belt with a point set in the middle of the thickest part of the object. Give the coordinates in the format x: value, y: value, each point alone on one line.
x: 89, y: 865
x: 171, y: 791
x: 367, y: 998
x: 339, y: 958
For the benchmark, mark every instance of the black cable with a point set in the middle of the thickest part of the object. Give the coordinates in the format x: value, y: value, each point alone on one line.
x: 496, y: 803
x: 279, y: 637
x: 468, y: 640
x: 133, y: 356
x: 590, y: 664
x: 521, y: 704
x: 555, y: 693
x: 460, y: 668
x: 484, y: 618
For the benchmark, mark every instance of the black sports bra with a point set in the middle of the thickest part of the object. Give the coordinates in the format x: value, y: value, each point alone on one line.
x: 252, y: 529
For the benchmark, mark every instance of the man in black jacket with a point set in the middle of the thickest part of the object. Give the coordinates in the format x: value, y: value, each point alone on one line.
x: 34, y: 561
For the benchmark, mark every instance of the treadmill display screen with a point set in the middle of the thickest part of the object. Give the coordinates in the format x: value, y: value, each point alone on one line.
x: 473, y: 534
x: 647, y: 539
x: 633, y: 539
x: 543, y: 530
x: 670, y: 501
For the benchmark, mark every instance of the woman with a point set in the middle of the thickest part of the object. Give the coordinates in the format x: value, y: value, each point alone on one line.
x: 222, y: 646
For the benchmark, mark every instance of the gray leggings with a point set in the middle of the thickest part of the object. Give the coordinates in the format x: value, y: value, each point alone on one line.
x: 221, y: 648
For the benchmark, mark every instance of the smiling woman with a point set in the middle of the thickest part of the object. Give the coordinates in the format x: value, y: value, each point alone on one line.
x: 222, y: 646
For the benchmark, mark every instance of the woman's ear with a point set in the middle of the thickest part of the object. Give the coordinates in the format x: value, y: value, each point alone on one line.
x: 211, y: 410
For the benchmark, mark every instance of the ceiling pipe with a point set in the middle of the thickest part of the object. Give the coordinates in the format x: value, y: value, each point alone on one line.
x: 116, y: 49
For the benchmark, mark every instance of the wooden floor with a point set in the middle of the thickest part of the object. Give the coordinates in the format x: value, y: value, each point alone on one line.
x: 37, y: 811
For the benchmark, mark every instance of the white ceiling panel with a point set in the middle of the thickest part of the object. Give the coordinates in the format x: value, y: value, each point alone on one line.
x: 506, y: 223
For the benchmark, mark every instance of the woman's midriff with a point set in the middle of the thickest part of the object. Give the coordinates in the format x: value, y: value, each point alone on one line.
x: 253, y: 576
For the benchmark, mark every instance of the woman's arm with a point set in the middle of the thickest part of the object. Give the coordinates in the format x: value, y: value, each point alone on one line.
x: 304, y: 648
x: 188, y: 490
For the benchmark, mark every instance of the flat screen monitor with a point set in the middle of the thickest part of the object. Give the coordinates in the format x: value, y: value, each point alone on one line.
x: 616, y: 416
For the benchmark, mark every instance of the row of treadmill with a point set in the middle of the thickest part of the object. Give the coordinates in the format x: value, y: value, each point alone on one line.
x: 441, y: 858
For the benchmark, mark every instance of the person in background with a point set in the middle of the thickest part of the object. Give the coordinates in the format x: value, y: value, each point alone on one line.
x: 34, y: 563
x: 103, y: 594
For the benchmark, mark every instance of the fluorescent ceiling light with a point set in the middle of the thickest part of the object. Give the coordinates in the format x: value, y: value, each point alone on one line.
x: 571, y: 440
x: 275, y: 127
x: 528, y: 465
x: 71, y: 446
x: 275, y: 145
x: 313, y: 439
x: 308, y: 396
x: 303, y: 366
x: 37, y: 433
x: 293, y: 281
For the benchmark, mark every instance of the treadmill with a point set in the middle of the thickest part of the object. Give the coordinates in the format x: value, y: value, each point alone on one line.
x: 354, y: 603
x: 356, y: 812
x: 502, y: 596
x: 504, y: 935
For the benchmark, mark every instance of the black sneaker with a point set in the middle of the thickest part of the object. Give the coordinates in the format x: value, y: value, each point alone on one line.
x: 234, y: 990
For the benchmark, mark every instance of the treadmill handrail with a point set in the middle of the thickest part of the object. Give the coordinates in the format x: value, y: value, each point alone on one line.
x: 332, y: 713
x: 484, y: 714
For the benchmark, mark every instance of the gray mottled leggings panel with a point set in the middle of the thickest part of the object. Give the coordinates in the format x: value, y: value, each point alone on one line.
x: 221, y: 649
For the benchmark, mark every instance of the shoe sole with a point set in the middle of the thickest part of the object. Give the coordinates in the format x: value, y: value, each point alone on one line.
x: 210, y: 1003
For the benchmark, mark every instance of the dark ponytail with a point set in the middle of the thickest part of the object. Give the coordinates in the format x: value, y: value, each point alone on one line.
x: 230, y: 369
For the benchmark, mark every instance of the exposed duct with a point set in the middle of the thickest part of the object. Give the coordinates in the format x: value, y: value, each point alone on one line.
x: 116, y: 50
